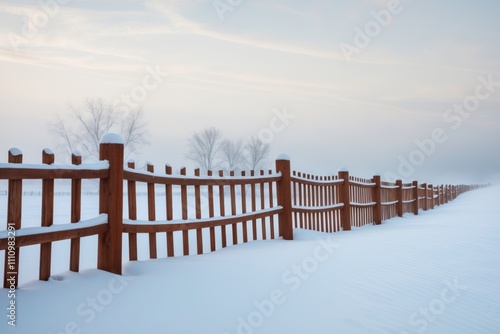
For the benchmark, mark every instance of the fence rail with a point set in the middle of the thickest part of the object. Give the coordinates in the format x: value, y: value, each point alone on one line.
x: 228, y: 208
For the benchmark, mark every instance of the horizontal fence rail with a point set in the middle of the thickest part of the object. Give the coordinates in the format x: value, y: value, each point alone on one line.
x: 213, y: 211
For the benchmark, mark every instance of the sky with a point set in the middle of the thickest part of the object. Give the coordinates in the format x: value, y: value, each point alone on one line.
x: 404, y: 89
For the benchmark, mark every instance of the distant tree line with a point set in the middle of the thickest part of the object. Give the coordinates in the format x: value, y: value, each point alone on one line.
x: 210, y: 150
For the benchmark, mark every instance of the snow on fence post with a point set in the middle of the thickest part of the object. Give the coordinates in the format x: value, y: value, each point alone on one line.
x: 415, y: 196
x: 11, y: 264
x: 345, y: 197
x: 111, y: 202
x: 399, y: 196
x: 76, y: 207
x: 47, y: 217
x: 377, y: 198
x: 284, y: 188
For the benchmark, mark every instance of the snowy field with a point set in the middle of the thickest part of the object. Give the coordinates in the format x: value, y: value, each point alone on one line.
x: 438, y: 272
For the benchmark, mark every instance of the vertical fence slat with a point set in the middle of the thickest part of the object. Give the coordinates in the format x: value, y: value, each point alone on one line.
x: 211, y: 213
x: 222, y: 205
x: 232, y: 190
x: 151, y: 214
x: 185, y: 213
x: 262, y: 206
x: 254, y: 207
x: 197, y: 197
x: 132, y: 214
x: 244, y: 208
x: 170, y: 212
x: 271, y: 205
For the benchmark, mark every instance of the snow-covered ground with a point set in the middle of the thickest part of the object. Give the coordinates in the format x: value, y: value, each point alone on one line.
x: 438, y: 272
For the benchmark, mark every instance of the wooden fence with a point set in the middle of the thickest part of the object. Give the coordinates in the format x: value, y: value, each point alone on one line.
x: 227, y: 209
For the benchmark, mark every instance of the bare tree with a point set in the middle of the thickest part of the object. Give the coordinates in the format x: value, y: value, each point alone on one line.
x: 84, y: 128
x: 204, y: 146
x: 257, y: 153
x: 233, y: 154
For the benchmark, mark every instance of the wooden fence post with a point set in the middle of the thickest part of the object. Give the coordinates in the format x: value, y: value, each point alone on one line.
x: 284, y: 188
x: 47, y: 217
x: 377, y: 198
x: 346, y: 199
x: 425, y: 206
x: 76, y: 207
x: 415, y: 196
x: 432, y: 196
x: 109, y: 256
x: 399, y: 196
x: 11, y: 264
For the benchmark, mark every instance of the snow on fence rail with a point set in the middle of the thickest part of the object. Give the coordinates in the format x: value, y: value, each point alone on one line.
x: 227, y: 209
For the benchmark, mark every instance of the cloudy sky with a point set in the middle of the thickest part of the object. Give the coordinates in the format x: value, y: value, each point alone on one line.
x: 408, y: 89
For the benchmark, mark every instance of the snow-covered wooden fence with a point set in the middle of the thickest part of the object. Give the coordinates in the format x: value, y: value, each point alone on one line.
x: 220, y: 209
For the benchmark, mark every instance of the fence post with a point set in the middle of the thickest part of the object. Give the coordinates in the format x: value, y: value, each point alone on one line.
x: 109, y: 256
x: 415, y: 196
x: 76, y: 206
x: 47, y: 217
x: 11, y: 264
x: 399, y: 196
x: 346, y: 199
x: 432, y: 196
x: 284, y: 188
x: 426, y: 201
x: 377, y: 198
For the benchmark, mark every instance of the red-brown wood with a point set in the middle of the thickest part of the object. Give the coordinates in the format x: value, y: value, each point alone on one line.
x: 170, y: 215
x: 151, y: 214
x: 199, y: 234
x: 234, y: 230
x: 222, y: 208
x: 244, y: 208
x: 47, y: 218
x: 132, y: 214
x: 346, y: 199
x: 184, y: 203
x: 262, y: 206
x: 285, y: 199
x: 76, y: 207
x: 254, y: 206
x: 399, y: 196
x: 377, y: 209
x: 211, y: 213
x: 111, y: 202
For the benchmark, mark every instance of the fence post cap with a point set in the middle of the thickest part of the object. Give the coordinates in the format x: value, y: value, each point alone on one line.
x: 343, y: 169
x: 283, y: 156
x: 112, y: 138
x: 15, y: 151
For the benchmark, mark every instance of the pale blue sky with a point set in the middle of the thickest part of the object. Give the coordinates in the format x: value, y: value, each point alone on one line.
x: 365, y: 114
